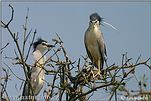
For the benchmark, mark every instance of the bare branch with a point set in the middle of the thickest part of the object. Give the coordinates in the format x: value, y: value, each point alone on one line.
x: 4, y: 47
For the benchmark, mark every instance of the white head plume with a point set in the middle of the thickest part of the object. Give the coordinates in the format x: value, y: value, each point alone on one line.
x: 109, y: 25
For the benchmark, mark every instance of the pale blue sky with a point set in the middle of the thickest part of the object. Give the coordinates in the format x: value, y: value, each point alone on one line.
x: 70, y: 20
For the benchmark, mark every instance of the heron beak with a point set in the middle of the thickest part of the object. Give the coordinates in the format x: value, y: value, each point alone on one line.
x: 50, y: 45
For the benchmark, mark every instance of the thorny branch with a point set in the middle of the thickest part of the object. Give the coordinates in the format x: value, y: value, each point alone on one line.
x: 64, y: 83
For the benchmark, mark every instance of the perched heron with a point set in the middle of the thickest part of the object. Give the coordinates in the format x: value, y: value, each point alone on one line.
x: 37, y: 71
x: 94, y: 42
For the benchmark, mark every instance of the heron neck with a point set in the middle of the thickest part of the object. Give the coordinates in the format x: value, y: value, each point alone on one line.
x: 94, y: 27
x: 39, y: 56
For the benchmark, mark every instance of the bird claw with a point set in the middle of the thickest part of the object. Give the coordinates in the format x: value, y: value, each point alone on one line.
x: 97, y: 75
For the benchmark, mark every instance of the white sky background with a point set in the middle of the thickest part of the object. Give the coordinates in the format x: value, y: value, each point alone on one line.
x: 70, y: 20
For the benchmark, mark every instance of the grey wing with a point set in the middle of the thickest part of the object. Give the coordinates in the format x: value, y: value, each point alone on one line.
x: 102, y: 49
x: 33, y: 79
x: 88, y: 52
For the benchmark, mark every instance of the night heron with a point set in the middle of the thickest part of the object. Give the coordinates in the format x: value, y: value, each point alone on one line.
x: 37, y: 71
x: 94, y: 42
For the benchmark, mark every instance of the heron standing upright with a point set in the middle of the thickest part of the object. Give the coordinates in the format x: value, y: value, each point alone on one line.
x: 94, y: 42
x: 37, y: 71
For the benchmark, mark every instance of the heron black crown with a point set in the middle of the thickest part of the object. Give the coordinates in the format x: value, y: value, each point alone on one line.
x: 95, y: 16
x: 39, y: 41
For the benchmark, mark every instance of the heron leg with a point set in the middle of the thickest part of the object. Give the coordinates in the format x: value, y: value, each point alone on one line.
x: 99, y: 69
x: 93, y: 75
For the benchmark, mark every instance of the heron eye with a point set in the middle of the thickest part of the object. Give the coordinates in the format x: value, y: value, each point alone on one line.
x: 43, y: 44
x: 93, y: 21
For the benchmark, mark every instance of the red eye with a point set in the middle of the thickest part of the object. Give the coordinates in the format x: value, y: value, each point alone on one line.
x: 43, y: 44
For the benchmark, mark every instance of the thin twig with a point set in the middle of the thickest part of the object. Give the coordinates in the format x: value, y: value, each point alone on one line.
x: 30, y: 45
x: 13, y: 72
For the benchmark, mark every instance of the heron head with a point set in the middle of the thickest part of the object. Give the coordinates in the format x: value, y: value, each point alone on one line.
x: 95, y: 19
x: 41, y: 45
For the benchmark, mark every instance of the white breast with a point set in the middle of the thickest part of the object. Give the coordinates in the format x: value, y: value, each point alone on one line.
x: 37, y: 79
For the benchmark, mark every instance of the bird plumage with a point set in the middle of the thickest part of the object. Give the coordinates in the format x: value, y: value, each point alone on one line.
x: 94, y: 41
x: 37, y: 71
